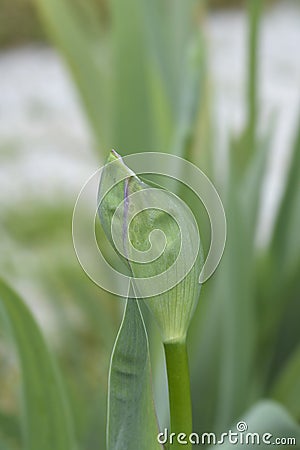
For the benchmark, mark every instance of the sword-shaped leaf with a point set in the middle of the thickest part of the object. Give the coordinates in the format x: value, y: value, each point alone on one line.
x: 46, y: 417
x: 132, y: 421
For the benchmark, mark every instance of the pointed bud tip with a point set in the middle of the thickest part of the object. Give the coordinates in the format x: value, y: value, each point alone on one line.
x: 113, y: 156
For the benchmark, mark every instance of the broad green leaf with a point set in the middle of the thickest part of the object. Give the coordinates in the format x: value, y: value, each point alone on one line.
x: 132, y: 422
x: 46, y: 417
x: 266, y: 417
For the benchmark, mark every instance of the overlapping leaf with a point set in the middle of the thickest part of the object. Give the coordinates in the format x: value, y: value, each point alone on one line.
x: 131, y: 415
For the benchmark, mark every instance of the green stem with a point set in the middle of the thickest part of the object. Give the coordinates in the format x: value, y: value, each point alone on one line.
x: 179, y: 391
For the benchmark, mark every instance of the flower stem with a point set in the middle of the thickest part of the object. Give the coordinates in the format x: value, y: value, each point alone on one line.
x: 179, y: 391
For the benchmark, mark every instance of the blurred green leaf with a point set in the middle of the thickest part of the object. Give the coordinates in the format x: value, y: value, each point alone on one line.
x: 254, y: 16
x: 170, y: 27
x: 47, y: 420
x: 85, y: 345
x: 142, y: 91
x: 41, y: 222
x: 246, y: 144
x: 285, y: 243
x: 131, y: 72
x: 268, y: 417
x: 131, y: 415
x: 3, y: 446
x: 190, y: 99
x: 133, y: 129
x: 175, y: 66
x: 232, y: 317
x: 74, y: 27
x: 9, y: 428
x: 253, y: 180
x: 206, y: 333
x: 286, y: 388
x: 226, y: 322
x: 278, y: 277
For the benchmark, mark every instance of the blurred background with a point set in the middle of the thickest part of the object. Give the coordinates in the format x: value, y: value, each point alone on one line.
x: 78, y: 78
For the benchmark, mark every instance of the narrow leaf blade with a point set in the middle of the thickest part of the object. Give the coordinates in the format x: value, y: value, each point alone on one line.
x: 47, y: 421
x: 131, y: 415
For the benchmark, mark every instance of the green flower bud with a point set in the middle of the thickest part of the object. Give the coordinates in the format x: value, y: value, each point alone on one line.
x: 156, y: 235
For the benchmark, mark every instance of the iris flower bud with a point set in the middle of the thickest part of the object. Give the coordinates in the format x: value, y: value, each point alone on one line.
x: 156, y: 235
